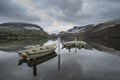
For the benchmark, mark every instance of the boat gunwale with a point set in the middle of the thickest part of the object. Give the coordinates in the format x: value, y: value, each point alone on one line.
x: 23, y: 53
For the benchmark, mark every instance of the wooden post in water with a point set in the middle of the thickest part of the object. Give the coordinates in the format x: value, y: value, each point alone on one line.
x: 69, y: 50
x: 58, y: 54
x: 75, y: 44
x: 34, y: 68
x: 58, y: 62
x: 58, y: 44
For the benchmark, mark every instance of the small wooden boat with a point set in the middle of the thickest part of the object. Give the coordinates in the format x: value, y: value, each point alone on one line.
x: 81, y: 44
x: 40, y: 51
x: 73, y: 44
x: 37, y: 60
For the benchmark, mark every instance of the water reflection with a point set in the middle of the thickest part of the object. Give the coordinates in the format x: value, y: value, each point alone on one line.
x: 87, y: 64
x: 16, y: 45
x: 104, y: 48
x: 69, y: 48
x: 59, y: 57
x: 107, y: 43
x: 36, y: 61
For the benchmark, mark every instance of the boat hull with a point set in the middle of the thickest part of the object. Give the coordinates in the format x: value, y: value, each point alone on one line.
x: 36, y: 52
x: 40, y: 54
x: 37, y: 60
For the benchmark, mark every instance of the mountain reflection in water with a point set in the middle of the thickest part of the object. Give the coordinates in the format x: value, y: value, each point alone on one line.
x: 16, y: 45
x: 86, y: 64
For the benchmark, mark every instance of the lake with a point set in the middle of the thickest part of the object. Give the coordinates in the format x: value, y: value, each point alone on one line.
x: 79, y: 64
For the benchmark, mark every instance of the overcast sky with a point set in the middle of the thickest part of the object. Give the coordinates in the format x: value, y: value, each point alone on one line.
x: 59, y: 15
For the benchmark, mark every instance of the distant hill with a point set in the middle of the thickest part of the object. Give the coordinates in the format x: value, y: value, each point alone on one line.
x: 21, y: 30
x: 65, y: 35
x: 14, y: 25
x: 112, y: 24
x: 107, y: 33
x: 75, y: 31
x: 78, y: 29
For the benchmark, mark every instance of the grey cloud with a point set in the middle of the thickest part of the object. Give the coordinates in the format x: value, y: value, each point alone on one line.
x: 15, y: 11
x: 113, y: 13
x: 114, y: 0
x: 69, y: 7
x: 102, y: 10
x: 69, y: 11
x: 65, y: 10
x: 109, y: 9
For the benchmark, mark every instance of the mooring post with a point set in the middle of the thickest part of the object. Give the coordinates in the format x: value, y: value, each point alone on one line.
x: 75, y: 44
x: 69, y: 50
x: 34, y: 68
x: 58, y: 62
x: 58, y: 44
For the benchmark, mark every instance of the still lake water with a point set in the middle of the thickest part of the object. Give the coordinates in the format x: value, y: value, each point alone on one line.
x: 85, y: 64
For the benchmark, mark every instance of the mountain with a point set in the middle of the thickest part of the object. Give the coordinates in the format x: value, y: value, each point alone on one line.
x: 75, y: 31
x: 66, y: 35
x: 107, y: 33
x: 107, y: 27
x: 21, y: 30
x: 18, y: 26
x: 78, y: 29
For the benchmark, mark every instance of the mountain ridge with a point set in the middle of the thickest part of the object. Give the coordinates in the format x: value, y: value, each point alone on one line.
x: 16, y: 30
x: 19, y: 25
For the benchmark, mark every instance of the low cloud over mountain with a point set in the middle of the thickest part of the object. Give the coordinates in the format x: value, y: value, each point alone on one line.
x: 57, y: 15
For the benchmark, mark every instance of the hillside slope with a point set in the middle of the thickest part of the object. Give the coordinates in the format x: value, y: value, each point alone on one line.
x: 20, y: 30
x: 107, y: 33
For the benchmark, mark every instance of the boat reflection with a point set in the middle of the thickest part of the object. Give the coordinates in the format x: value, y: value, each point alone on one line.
x: 70, y: 46
x: 36, y: 61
